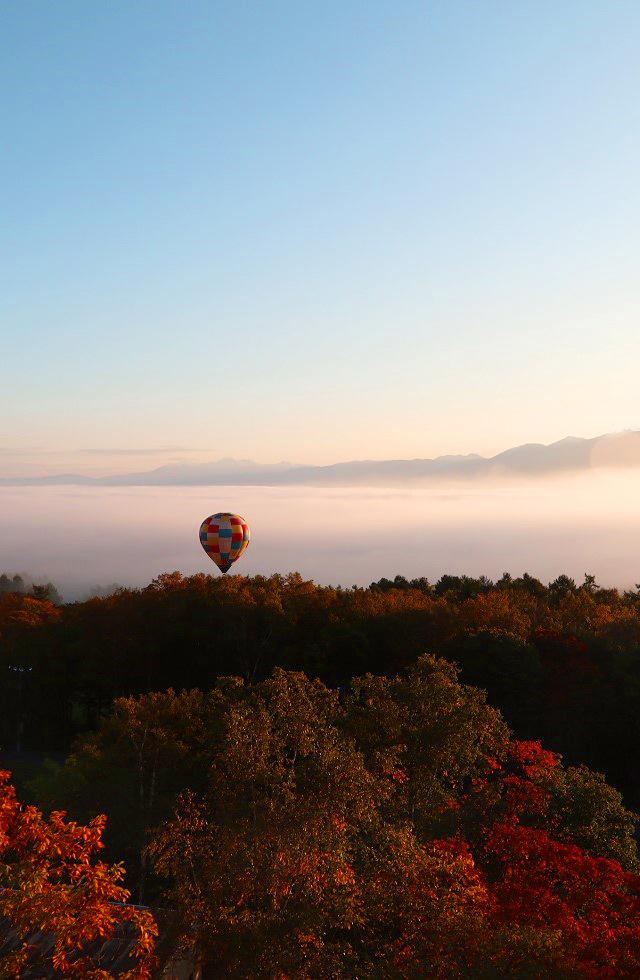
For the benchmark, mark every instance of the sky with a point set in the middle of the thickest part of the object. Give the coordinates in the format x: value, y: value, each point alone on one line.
x: 315, y: 232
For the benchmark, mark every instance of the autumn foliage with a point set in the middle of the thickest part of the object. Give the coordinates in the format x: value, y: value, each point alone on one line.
x: 310, y: 795
x: 50, y: 882
x: 562, y: 662
x: 396, y: 830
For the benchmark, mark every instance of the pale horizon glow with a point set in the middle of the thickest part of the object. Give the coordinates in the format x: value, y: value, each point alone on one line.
x: 100, y: 462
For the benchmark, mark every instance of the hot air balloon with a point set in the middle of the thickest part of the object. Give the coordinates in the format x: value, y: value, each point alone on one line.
x: 224, y: 537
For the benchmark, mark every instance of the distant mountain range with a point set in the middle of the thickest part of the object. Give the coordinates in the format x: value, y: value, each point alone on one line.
x: 617, y: 450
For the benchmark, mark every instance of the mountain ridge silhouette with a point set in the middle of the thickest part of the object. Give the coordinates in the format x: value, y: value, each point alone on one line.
x: 571, y: 454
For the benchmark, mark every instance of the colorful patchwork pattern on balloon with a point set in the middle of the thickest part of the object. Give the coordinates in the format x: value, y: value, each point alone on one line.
x: 224, y: 537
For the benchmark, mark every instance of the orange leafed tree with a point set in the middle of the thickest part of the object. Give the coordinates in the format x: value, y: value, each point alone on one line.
x: 51, y: 882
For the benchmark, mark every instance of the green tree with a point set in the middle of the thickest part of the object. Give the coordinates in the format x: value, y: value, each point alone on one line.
x: 142, y: 755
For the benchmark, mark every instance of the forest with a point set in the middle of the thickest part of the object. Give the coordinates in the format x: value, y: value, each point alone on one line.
x: 409, y: 779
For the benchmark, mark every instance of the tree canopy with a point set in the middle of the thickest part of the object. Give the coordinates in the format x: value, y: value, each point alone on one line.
x: 561, y: 662
x: 306, y: 831
x: 310, y: 794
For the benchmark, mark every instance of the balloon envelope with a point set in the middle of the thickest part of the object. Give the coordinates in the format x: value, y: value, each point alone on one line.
x: 224, y: 537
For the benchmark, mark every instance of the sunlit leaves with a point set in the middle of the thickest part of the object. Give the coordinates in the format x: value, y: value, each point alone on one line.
x: 52, y: 882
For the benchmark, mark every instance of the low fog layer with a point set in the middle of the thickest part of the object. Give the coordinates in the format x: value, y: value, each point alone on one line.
x: 79, y: 536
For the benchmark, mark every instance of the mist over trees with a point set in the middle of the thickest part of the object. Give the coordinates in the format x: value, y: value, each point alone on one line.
x: 23, y: 585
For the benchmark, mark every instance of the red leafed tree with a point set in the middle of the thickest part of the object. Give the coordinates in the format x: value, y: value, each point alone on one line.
x: 552, y: 885
x: 51, y: 882
x: 591, y: 902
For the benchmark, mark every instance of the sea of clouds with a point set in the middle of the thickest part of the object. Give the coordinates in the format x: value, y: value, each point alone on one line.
x: 82, y: 537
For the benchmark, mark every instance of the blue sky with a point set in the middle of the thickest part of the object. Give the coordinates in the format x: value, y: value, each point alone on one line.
x: 316, y: 231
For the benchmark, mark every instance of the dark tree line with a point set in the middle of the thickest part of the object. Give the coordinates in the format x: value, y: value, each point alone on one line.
x: 562, y: 662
